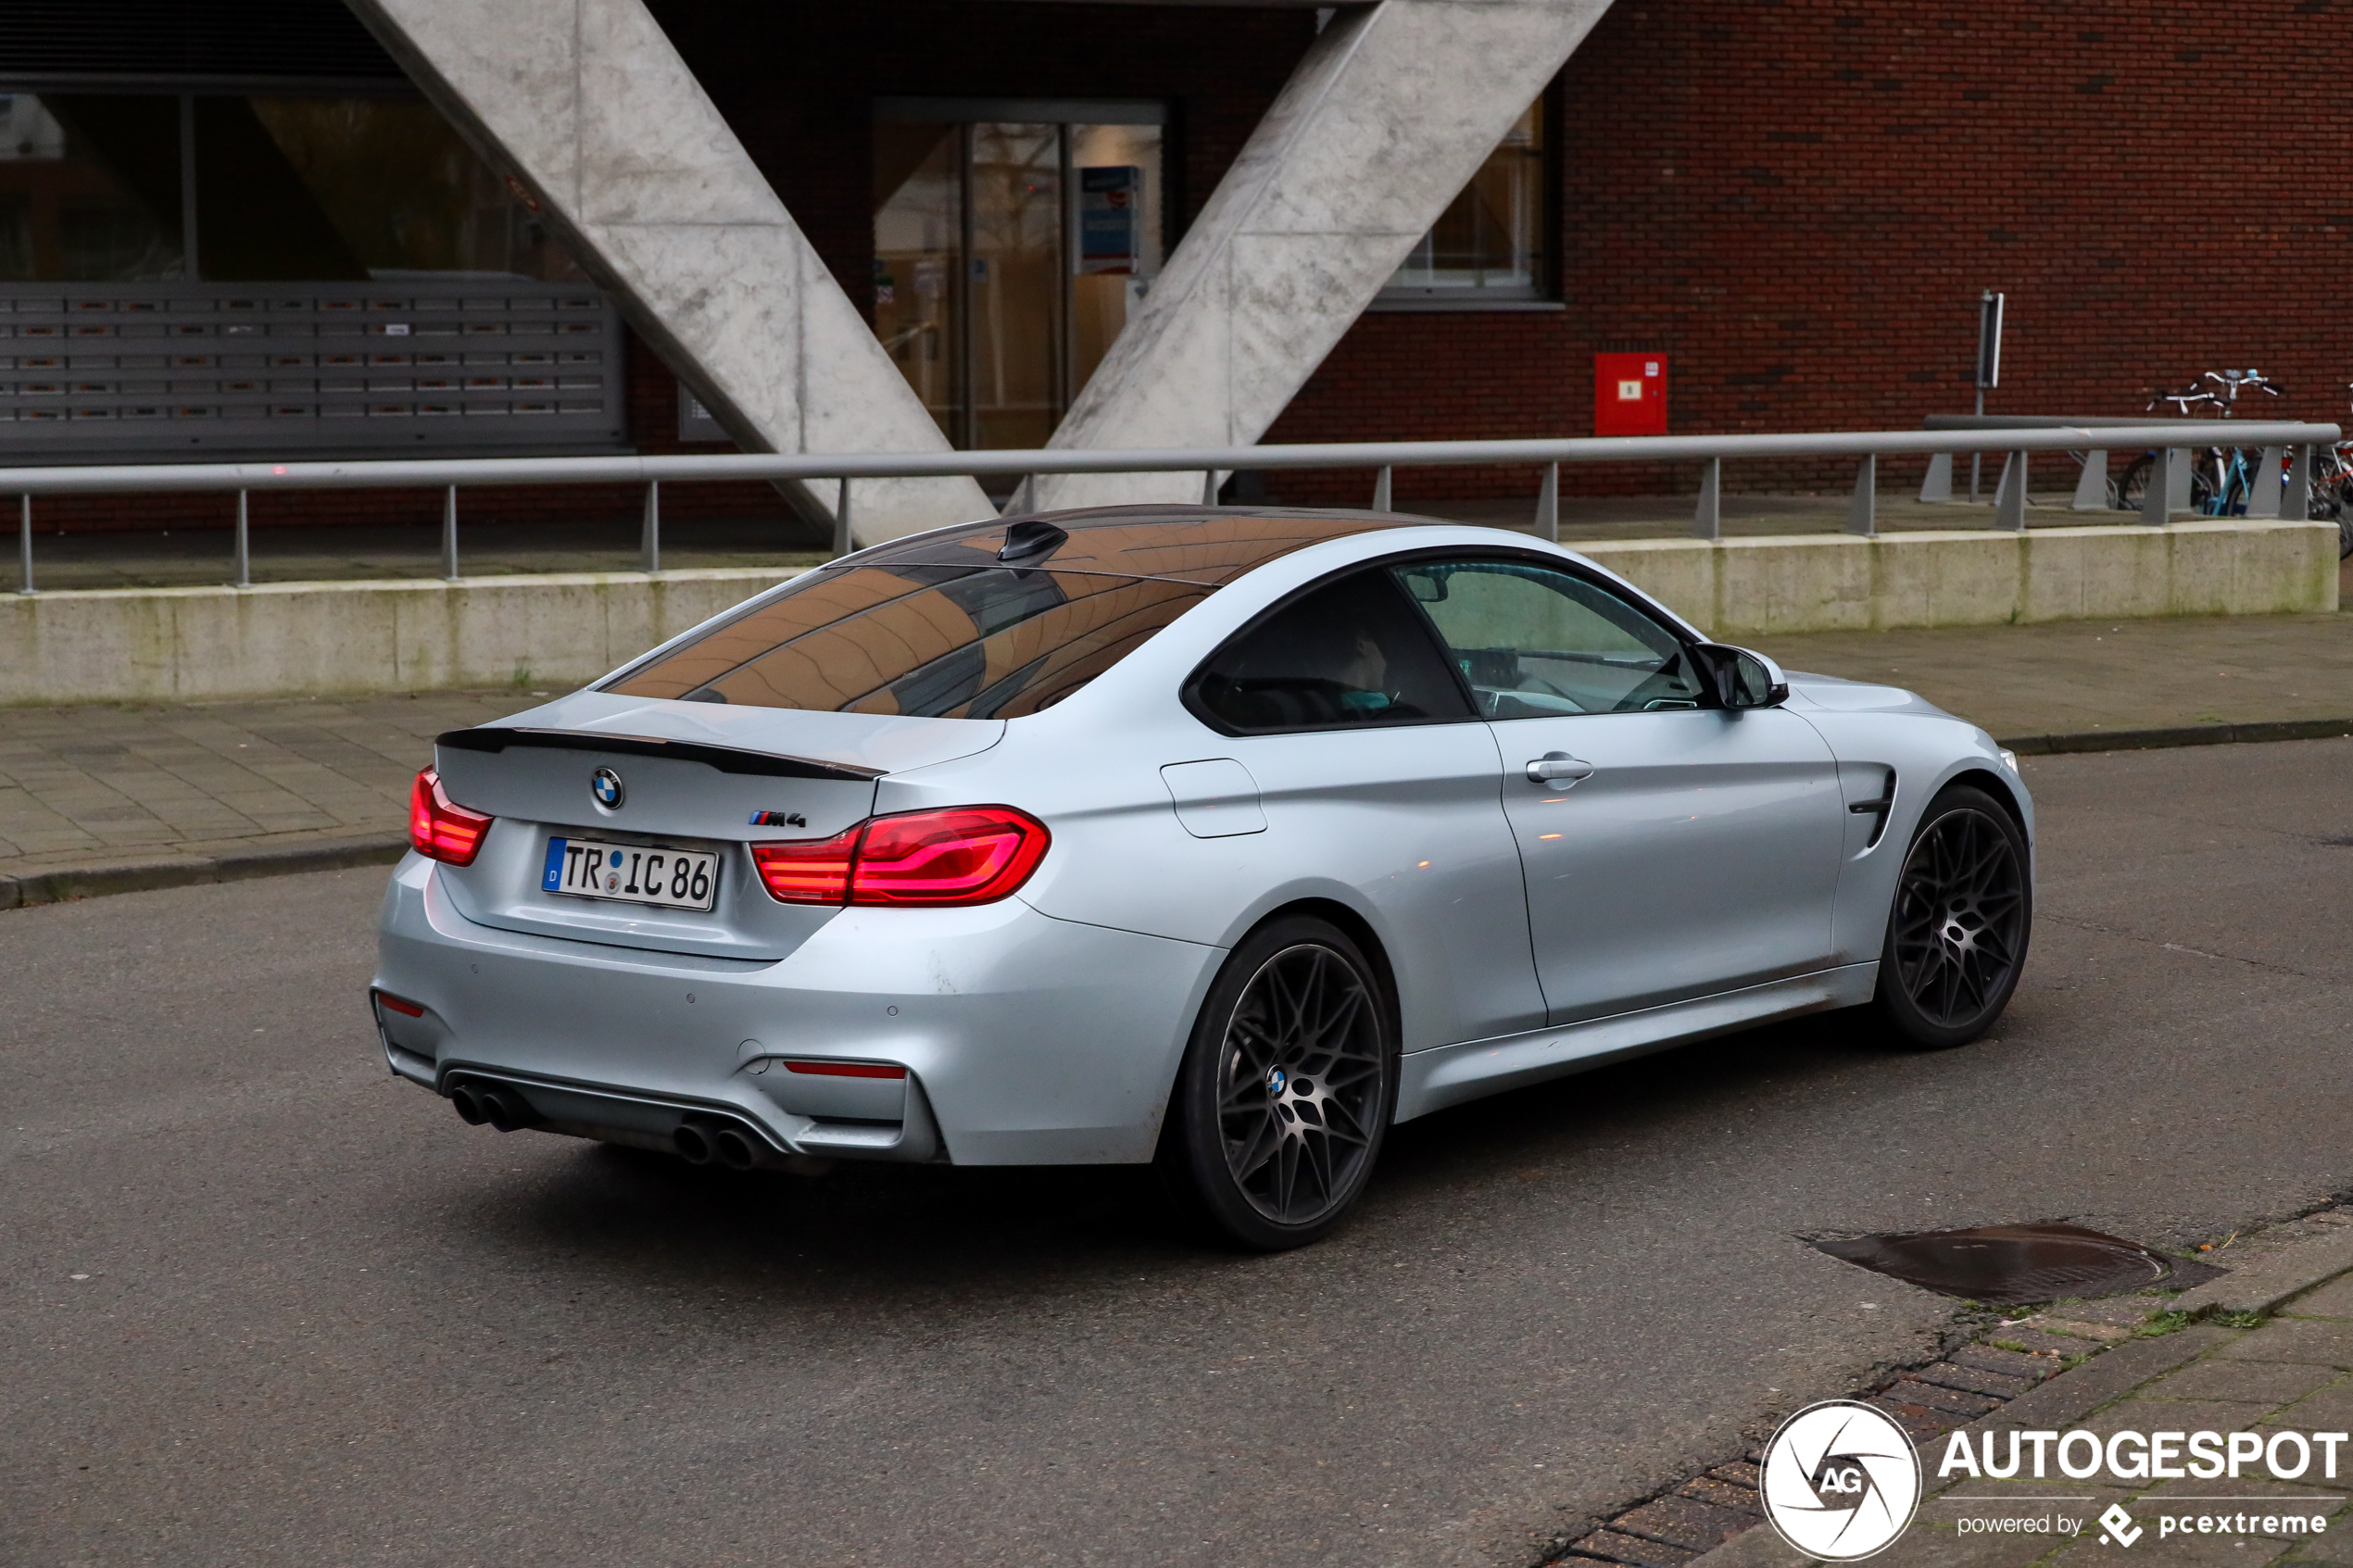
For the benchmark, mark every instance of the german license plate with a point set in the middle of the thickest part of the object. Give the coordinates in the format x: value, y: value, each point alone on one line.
x: 631, y: 873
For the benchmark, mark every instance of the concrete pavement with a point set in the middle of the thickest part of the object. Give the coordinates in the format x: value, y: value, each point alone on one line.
x: 322, y: 1321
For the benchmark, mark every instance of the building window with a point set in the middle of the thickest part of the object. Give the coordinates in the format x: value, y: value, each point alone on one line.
x: 1012, y: 238
x: 89, y: 189
x: 202, y: 274
x: 1492, y: 244
x: 216, y: 188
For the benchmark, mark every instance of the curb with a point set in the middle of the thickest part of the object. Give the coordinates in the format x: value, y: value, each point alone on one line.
x: 2261, y: 1286
x: 184, y: 871
x: 2110, y: 1374
x: 2185, y: 734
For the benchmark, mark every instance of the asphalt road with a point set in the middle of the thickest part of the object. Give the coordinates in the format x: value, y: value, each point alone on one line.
x: 323, y: 1321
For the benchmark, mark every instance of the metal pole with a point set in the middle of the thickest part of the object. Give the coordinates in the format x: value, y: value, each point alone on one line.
x: 2263, y: 491
x: 1936, y: 486
x: 2157, y: 501
x: 1548, y: 503
x: 1976, y: 459
x: 1862, y: 513
x: 2091, y: 485
x: 1989, y: 366
x: 649, y: 538
x: 2010, y: 496
x: 1708, y: 523
x: 842, y: 543
x: 2297, y: 503
x: 245, y: 547
x: 449, y: 535
x: 1209, y: 488
x: 1380, y: 490
x: 24, y: 544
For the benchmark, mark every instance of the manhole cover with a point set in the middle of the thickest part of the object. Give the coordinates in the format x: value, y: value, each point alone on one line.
x: 2005, y: 1265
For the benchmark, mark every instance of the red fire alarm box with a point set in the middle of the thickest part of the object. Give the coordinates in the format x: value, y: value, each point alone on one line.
x: 1629, y: 395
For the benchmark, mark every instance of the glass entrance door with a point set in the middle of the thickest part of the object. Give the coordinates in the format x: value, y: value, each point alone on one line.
x: 1007, y: 254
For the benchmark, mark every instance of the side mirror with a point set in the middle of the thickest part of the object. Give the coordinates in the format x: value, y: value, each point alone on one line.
x: 1739, y: 678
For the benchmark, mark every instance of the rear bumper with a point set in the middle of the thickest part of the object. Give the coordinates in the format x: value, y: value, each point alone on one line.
x: 1025, y: 1039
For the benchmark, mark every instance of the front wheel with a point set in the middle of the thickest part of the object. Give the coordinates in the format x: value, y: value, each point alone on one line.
x: 1957, y: 930
x: 1285, y: 1090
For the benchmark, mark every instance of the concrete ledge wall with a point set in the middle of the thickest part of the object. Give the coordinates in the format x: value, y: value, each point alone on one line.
x: 295, y: 639
x: 1837, y: 582
x: 305, y: 639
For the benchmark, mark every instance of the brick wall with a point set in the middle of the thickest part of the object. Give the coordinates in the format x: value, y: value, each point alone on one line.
x: 1800, y: 201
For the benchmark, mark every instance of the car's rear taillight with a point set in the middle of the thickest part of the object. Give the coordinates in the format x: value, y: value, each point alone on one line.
x: 807, y: 874
x: 963, y: 855
x: 438, y: 828
x: 968, y: 854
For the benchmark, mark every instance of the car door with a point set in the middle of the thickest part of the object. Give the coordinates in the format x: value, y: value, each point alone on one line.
x: 1374, y: 777
x: 1672, y: 848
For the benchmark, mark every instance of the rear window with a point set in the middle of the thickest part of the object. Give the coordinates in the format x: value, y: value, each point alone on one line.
x: 936, y: 628
x: 929, y: 642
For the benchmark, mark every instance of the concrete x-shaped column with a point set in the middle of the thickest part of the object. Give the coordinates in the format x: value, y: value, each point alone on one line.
x: 587, y: 103
x: 1386, y: 119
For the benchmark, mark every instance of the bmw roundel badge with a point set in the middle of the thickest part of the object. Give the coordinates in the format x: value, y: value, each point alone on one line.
x: 605, y: 784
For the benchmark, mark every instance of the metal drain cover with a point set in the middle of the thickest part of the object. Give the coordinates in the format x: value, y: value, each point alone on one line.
x: 2005, y: 1265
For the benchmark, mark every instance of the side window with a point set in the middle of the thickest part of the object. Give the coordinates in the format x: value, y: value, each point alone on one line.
x: 1533, y: 642
x: 1346, y: 655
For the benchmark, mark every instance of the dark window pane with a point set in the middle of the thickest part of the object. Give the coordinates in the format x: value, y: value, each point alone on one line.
x: 944, y: 642
x: 1537, y: 642
x: 1348, y: 653
x: 89, y: 188
x: 399, y: 190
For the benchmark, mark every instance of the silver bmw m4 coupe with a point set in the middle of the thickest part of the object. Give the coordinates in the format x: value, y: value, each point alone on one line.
x: 1216, y: 838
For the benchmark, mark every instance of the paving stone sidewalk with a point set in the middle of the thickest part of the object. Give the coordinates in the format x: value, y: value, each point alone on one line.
x: 2268, y: 1349
x: 92, y: 798
x: 101, y: 798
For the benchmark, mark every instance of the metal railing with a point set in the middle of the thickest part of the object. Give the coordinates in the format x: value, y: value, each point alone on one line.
x: 1214, y: 463
x: 2093, y: 491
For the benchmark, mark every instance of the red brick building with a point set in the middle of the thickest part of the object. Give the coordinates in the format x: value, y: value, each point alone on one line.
x: 1796, y: 204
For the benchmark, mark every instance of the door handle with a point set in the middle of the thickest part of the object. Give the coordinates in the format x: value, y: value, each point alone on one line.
x: 1558, y: 767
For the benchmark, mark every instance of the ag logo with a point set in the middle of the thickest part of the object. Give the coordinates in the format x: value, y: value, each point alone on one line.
x: 606, y: 785
x: 1840, y: 1480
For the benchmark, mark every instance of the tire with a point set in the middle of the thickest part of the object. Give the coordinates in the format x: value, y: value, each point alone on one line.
x: 1958, y: 926
x: 1248, y: 1155
x: 2133, y: 489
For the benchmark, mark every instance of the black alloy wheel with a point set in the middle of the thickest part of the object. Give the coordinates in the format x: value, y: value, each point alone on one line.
x: 1958, y: 931
x: 1285, y: 1090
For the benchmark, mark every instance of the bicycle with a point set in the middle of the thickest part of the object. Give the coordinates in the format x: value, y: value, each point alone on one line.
x: 2227, y: 488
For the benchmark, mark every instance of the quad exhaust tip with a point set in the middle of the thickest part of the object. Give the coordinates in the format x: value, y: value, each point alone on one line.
x: 707, y: 1143
x: 502, y: 1108
x: 698, y: 1141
